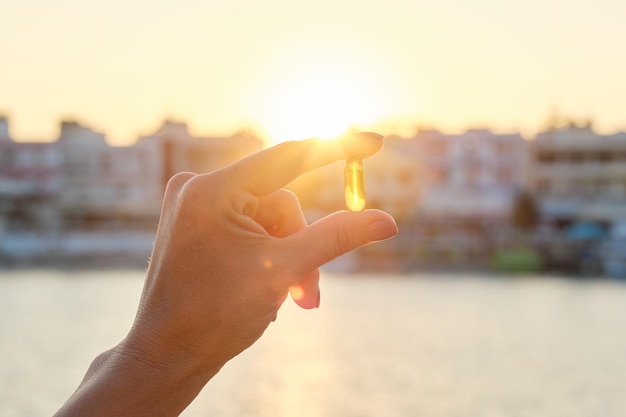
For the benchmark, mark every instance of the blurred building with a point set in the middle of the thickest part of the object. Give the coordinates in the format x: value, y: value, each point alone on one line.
x: 4, y: 128
x: 105, y: 186
x: 394, y: 178
x: 79, y: 197
x: 473, y: 175
x: 180, y: 151
x: 459, y: 192
x: 579, y: 175
x: 80, y: 182
x: 29, y: 183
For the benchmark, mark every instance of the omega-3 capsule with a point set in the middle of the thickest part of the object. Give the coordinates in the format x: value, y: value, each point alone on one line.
x: 354, y: 177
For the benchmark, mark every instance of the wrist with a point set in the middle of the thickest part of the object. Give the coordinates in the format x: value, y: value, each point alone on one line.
x: 129, y: 381
x: 170, y: 364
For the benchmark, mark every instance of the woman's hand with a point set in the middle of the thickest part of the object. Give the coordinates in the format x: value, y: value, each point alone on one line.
x: 231, y: 243
x: 230, y: 246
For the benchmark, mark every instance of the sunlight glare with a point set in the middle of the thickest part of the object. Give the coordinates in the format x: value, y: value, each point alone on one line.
x: 322, y: 104
x: 296, y: 292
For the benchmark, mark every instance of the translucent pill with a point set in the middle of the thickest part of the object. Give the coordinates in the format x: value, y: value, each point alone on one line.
x: 354, y: 177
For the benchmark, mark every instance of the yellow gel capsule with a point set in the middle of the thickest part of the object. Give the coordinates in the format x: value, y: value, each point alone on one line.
x: 354, y: 177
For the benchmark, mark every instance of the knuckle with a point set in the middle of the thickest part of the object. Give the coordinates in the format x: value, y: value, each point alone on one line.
x: 287, y: 198
x: 177, y: 181
x: 189, y: 193
x: 193, y: 187
x: 201, y: 186
x: 339, y: 242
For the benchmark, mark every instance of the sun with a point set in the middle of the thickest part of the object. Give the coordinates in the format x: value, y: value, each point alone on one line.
x: 322, y: 85
x: 322, y: 103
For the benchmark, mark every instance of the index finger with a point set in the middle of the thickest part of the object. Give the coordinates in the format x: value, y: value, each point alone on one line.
x: 273, y: 168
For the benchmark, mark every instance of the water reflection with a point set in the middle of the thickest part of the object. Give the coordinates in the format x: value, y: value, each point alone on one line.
x: 389, y: 346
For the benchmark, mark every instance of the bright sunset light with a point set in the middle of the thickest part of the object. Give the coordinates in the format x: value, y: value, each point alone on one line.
x: 322, y: 105
x: 290, y: 70
x: 321, y: 86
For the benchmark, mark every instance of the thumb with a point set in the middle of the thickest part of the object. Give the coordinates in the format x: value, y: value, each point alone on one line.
x: 335, y: 235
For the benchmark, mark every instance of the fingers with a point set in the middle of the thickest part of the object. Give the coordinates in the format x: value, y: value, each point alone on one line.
x: 333, y: 236
x: 175, y: 185
x: 280, y: 214
x: 273, y: 168
x: 306, y: 293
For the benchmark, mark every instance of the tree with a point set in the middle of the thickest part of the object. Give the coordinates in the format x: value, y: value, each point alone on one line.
x: 525, y: 214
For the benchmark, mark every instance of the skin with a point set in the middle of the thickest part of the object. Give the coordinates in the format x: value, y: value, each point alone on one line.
x: 230, y: 246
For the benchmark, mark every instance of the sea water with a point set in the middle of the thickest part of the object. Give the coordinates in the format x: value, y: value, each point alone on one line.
x: 388, y: 346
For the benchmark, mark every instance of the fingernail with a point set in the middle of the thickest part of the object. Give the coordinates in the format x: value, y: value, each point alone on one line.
x: 381, y: 230
x: 317, y: 302
x: 371, y: 135
x: 361, y: 145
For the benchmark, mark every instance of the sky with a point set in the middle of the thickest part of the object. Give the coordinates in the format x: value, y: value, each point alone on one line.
x: 290, y: 69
